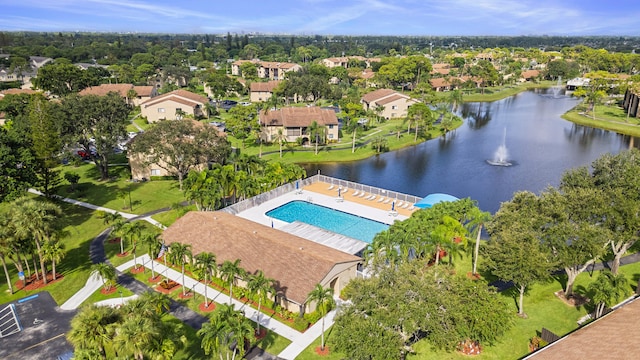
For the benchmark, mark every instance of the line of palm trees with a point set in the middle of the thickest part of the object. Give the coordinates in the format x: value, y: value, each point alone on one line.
x: 30, y: 235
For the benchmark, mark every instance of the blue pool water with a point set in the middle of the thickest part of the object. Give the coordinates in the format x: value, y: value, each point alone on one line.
x: 329, y: 219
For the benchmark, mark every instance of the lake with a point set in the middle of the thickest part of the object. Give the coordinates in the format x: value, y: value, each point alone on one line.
x: 540, y: 145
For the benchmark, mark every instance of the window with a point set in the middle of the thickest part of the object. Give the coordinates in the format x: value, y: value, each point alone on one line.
x: 293, y: 132
x: 160, y: 110
x: 155, y: 172
x: 394, y: 107
x: 330, y: 136
x: 330, y: 127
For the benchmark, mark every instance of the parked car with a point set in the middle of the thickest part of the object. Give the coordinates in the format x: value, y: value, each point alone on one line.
x: 244, y: 103
x: 228, y: 104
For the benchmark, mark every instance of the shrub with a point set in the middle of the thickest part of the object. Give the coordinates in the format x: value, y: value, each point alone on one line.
x: 312, y: 317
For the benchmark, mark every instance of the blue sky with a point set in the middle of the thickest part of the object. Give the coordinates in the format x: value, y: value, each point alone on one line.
x: 328, y: 17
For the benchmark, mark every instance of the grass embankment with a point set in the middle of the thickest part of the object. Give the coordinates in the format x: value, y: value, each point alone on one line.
x: 501, y: 92
x: 394, y: 132
x: 542, y: 307
x: 607, y: 117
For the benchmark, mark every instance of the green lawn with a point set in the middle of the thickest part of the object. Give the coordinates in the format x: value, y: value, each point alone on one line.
x: 502, y: 92
x: 610, y: 117
x: 542, y: 307
x: 114, y: 194
x: 341, y: 151
x: 82, y: 226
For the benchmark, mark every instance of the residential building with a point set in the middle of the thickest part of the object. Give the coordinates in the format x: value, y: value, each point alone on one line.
x: 577, y: 82
x: 296, y: 264
x: 174, y: 106
x: 392, y: 103
x: 344, y: 61
x: 266, y: 69
x: 262, y: 91
x: 142, y: 93
x: 294, y: 123
x: 529, y: 75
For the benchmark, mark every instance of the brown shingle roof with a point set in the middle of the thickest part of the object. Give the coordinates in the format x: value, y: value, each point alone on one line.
x: 264, y: 86
x: 144, y: 91
x: 295, y: 263
x: 391, y: 98
x: 17, y: 91
x: 181, y: 96
x: 377, y: 94
x: 104, y: 89
x: 299, y: 117
x: 613, y: 336
x: 529, y: 74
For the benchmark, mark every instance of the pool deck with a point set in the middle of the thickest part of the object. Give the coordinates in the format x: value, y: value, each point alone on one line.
x: 318, y: 193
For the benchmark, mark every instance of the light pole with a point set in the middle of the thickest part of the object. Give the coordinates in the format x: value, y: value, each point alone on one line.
x: 121, y: 298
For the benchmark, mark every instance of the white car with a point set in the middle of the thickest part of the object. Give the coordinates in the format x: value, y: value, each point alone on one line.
x: 244, y: 103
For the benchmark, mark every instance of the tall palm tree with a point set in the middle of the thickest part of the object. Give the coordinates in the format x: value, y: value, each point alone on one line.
x: 280, y: 138
x: 229, y: 271
x: 324, y: 301
x: 181, y: 253
x: 213, y: 337
x: 53, y: 251
x: 117, y: 227
x: 105, y: 272
x: 476, y: 220
x: 261, y: 286
x: 150, y: 239
x: 206, y: 261
x: 316, y: 132
x: 93, y: 328
x: 6, y: 235
x: 132, y: 231
x: 240, y: 331
x: 37, y: 220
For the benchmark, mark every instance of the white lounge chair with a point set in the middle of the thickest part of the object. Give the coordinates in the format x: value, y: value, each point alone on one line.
x: 399, y: 203
x: 363, y: 194
x: 381, y: 199
x: 411, y: 208
x: 387, y: 201
x: 345, y: 191
x: 406, y: 205
x: 330, y: 187
x: 356, y: 193
x: 372, y: 197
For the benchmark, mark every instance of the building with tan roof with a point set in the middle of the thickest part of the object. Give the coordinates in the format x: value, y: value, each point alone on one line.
x: 392, y: 103
x: 296, y: 264
x: 142, y: 93
x: 174, y: 105
x: 262, y: 91
x: 272, y: 70
x: 295, y: 121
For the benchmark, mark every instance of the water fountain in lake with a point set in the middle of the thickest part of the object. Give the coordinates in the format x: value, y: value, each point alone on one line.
x: 500, y: 157
x: 557, y: 88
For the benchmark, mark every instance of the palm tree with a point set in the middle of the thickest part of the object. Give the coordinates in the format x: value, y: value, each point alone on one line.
x: 181, y: 253
x: 261, y: 286
x: 92, y: 329
x: 156, y: 301
x: 6, y: 235
x: 316, y: 132
x: 206, y: 261
x: 37, y: 220
x: 477, y: 219
x: 117, y: 227
x: 213, y: 337
x: 150, y: 239
x: 229, y: 271
x: 138, y: 336
x: 324, y: 301
x: 105, y: 272
x: 53, y: 251
x: 281, y: 138
x: 608, y: 289
x: 240, y: 330
x: 132, y: 230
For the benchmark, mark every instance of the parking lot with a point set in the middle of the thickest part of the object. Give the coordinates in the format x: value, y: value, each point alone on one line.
x: 43, y: 326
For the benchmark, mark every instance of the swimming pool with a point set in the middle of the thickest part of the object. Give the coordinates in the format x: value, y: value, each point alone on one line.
x: 333, y: 220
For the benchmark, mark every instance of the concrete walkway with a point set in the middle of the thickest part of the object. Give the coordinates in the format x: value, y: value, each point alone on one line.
x: 299, y: 341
